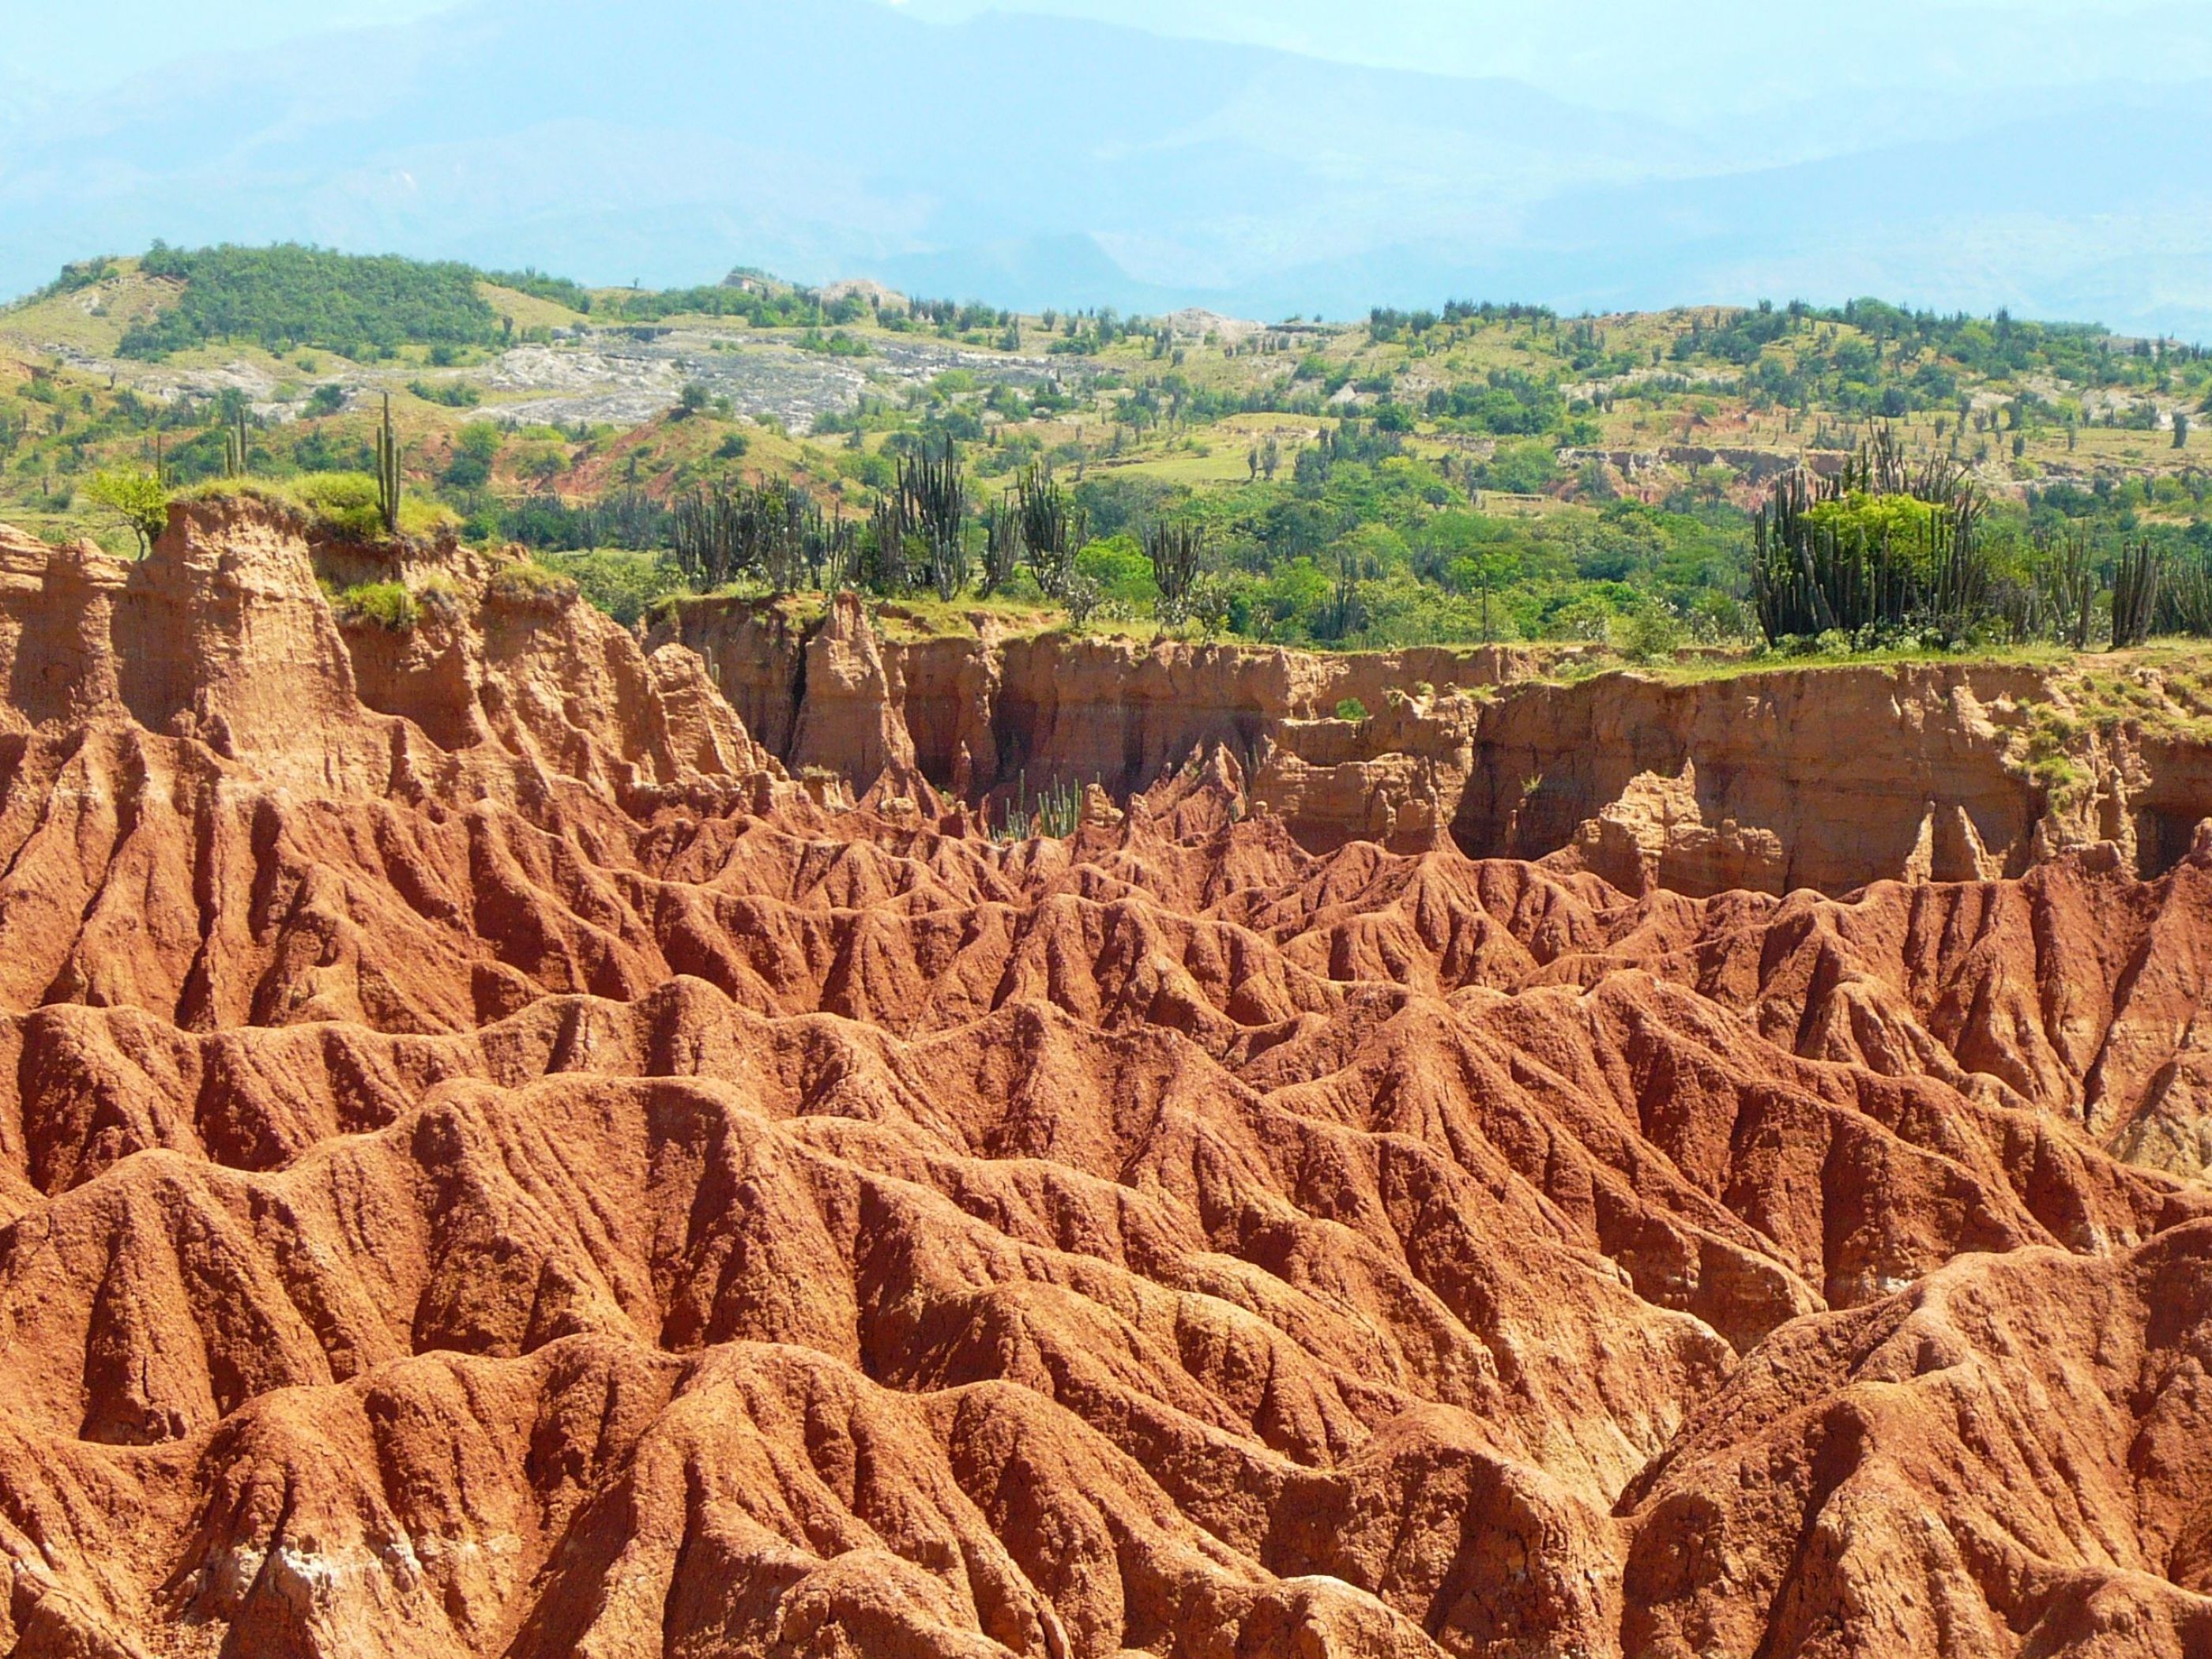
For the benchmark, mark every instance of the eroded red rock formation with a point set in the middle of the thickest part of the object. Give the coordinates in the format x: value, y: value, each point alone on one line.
x: 1821, y: 777
x: 492, y: 1163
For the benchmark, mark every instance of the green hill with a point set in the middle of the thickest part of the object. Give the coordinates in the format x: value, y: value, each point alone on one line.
x: 1477, y: 471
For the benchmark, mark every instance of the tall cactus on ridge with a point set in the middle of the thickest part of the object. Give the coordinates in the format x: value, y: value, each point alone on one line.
x: 1050, y: 530
x: 935, y: 506
x: 234, y: 446
x: 387, y: 471
x: 2134, y: 594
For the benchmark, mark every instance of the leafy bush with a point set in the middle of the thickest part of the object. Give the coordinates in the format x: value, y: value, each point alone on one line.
x: 1121, y: 571
x: 344, y: 502
x: 136, y: 499
x: 1510, y: 404
x: 625, y: 585
x: 1649, y: 634
x: 454, y: 394
x: 1521, y: 469
x: 1352, y: 709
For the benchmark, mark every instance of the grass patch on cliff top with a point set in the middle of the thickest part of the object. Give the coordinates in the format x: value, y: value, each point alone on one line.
x: 1692, y: 672
x: 928, y: 616
x: 341, y: 504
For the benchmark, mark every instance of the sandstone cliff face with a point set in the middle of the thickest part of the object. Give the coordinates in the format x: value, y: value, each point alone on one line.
x: 1826, y: 778
x: 492, y: 1163
x: 1823, y: 778
x: 996, y: 715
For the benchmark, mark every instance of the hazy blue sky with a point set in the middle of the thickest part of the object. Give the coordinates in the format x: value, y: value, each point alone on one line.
x: 1679, y: 59
x: 76, y: 45
x: 2054, y: 156
x: 1690, y: 60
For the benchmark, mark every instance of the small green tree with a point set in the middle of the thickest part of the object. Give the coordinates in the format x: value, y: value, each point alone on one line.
x: 136, y: 499
x: 2181, y: 430
x: 480, y: 440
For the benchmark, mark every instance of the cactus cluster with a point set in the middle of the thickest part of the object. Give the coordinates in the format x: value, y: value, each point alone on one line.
x: 2056, y: 598
x: 936, y: 497
x: 774, y: 530
x: 1050, y: 531
x: 918, y: 532
x: 2134, y: 594
x: 1002, y: 546
x: 1815, y: 573
x: 1173, y: 550
x: 1055, y: 813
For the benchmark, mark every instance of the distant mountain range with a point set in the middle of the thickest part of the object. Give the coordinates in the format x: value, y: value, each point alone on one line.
x: 1038, y: 161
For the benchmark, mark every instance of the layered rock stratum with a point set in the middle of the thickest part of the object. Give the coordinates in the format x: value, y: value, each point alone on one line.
x: 520, y: 1143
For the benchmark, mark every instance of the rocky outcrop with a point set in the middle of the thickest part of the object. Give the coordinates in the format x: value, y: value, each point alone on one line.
x: 491, y: 1164
x: 1655, y: 835
x: 849, y: 723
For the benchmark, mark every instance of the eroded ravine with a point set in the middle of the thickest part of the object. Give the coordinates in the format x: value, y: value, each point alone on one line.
x: 498, y: 1162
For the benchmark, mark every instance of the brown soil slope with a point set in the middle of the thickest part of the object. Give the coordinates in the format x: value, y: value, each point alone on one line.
x: 491, y: 1164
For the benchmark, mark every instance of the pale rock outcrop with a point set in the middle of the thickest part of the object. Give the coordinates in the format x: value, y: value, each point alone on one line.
x: 1655, y: 835
x: 848, y: 721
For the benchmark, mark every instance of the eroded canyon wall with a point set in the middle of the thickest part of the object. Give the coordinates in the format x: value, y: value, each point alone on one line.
x: 1768, y: 780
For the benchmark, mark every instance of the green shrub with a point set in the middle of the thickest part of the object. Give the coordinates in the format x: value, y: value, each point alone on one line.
x: 454, y: 394
x: 344, y: 507
x: 388, y: 605
x: 343, y: 503
x: 1521, y: 469
x: 1352, y: 709
x: 1651, y: 633
x: 1123, y: 573
x: 626, y: 585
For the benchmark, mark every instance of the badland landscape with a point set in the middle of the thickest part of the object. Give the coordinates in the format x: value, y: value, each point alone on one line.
x: 753, y: 964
